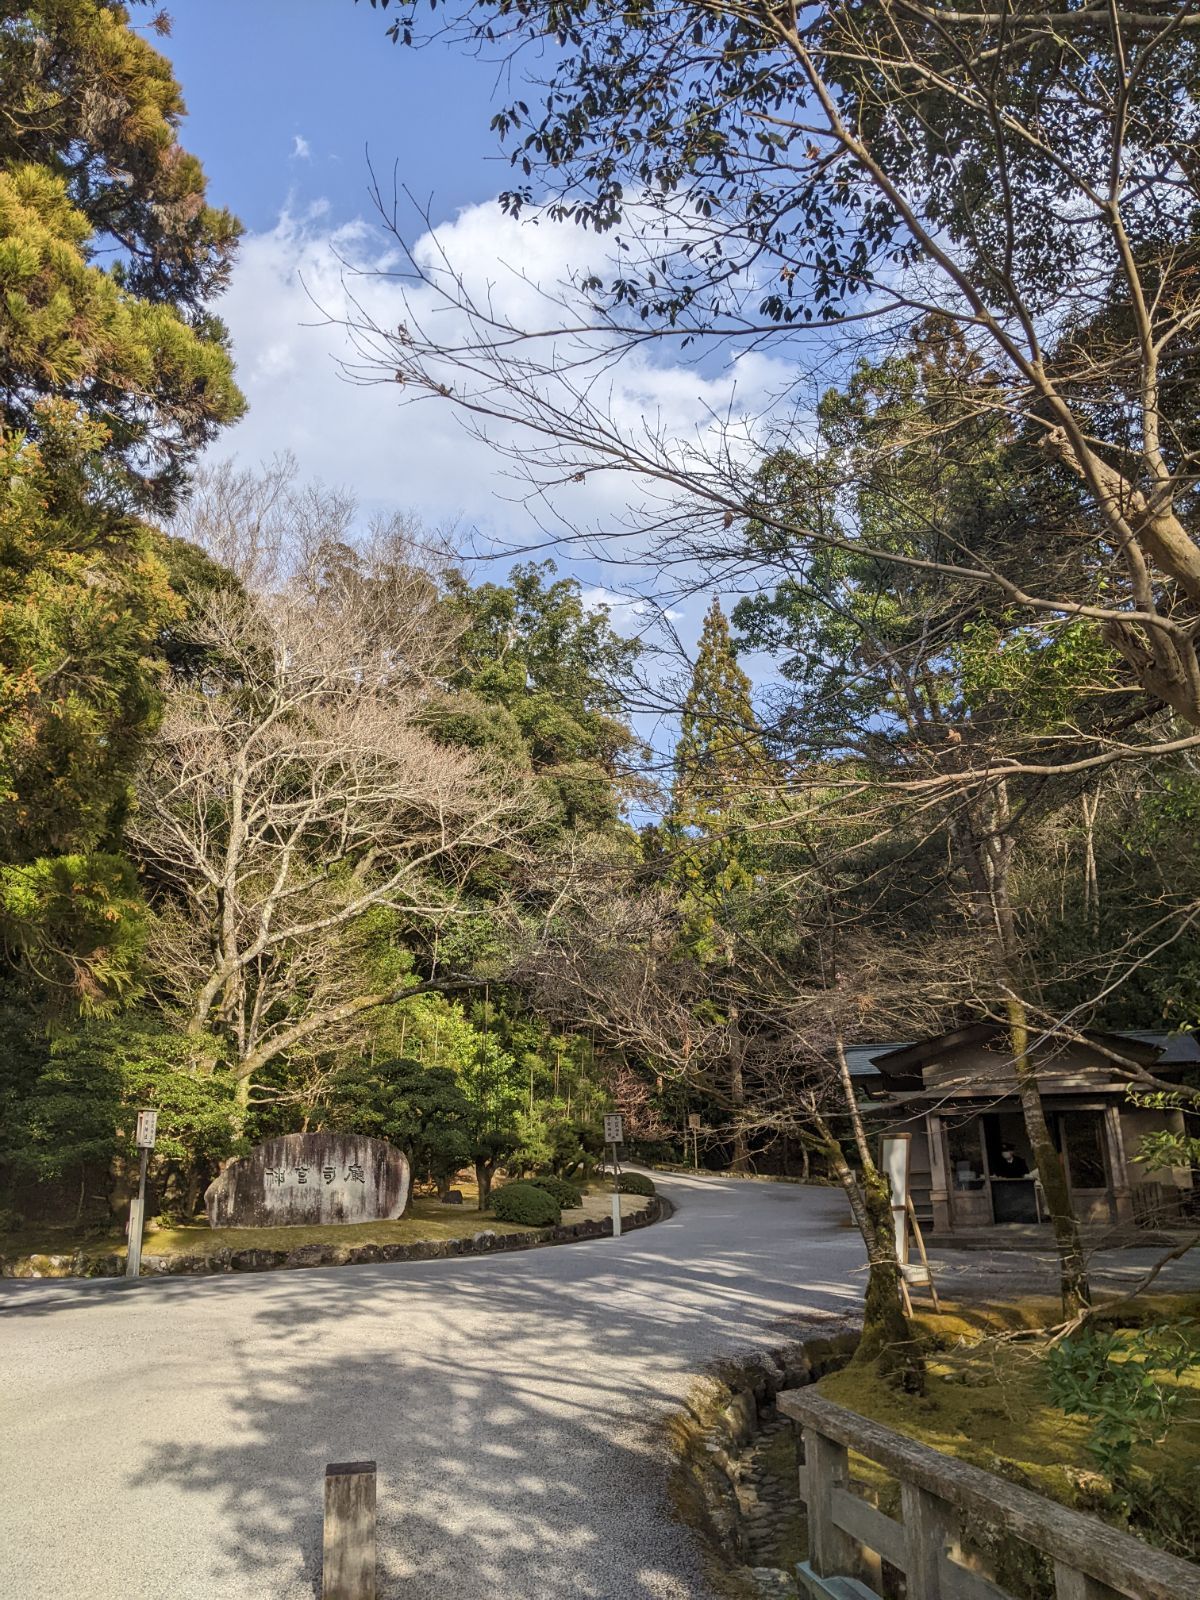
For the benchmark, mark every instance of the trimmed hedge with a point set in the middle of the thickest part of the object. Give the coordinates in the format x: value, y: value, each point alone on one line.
x: 567, y: 1195
x: 523, y: 1203
x: 635, y: 1183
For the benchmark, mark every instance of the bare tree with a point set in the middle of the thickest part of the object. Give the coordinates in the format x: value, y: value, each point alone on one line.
x: 806, y: 182
x: 292, y: 793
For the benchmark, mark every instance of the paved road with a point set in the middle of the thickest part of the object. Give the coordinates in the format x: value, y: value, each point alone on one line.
x: 168, y: 1438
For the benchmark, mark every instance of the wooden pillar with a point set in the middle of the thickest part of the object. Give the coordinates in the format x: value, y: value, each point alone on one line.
x: 1122, y: 1200
x: 939, y: 1183
x: 1071, y: 1584
x: 929, y: 1526
x: 348, y: 1567
x: 831, y: 1552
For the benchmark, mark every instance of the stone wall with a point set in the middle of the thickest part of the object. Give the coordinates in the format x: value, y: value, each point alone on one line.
x: 484, y: 1242
x: 740, y: 1511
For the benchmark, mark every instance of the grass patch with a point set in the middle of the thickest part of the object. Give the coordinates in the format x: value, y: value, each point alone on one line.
x: 427, y: 1219
x: 988, y: 1402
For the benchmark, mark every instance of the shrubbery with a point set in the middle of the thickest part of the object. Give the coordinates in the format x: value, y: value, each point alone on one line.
x: 524, y: 1203
x: 567, y: 1195
x: 635, y: 1183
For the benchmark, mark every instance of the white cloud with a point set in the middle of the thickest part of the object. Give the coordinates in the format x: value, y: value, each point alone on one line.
x: 301, y: 149
x: 627, y: 613
x: 289, y: 294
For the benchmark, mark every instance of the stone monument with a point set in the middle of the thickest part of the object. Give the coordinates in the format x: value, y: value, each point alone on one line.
x: 304, y: 1179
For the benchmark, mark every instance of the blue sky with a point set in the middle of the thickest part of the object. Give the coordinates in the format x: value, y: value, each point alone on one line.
x: 258, y: 74
x: 284, y: 99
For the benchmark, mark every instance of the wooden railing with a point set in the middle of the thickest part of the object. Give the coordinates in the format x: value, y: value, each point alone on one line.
x: 939, y: 1498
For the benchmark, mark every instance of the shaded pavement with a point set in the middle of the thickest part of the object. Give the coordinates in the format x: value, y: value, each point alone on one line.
x: 169, y: 1437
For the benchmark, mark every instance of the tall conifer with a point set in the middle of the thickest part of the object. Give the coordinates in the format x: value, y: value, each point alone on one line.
x: 721, y: 772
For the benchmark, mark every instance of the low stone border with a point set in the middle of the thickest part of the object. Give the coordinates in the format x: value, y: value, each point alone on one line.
x: 485, y: 1242
x: 727, y: 1412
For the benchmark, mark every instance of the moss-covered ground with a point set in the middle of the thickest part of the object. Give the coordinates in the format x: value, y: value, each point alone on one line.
x: 988, y: 1402
x: 427, y: 1218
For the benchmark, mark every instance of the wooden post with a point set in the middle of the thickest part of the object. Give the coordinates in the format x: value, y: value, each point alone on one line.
x: 348, y: 1568
x: 832, y: 1553
x: 1071, y: 1584
x: 137, y: 1222
x: 928, y: 1529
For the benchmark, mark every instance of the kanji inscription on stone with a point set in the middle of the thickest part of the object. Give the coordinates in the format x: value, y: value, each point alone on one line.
x: 276, y: 1185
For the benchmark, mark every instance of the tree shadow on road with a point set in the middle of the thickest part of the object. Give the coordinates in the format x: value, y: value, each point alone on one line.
x: 513, y: 1405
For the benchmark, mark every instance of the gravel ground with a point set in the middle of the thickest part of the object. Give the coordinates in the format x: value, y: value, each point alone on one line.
x: 169, y: 1437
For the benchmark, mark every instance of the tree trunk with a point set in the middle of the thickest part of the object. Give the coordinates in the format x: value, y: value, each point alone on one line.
x: 1073, y: 1279
x: 483, y: 1178
x: 737, y: 1098
x: 888, y: 1337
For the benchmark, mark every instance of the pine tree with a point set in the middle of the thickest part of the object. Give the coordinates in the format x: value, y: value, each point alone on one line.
x: 721, y: 780
x: 719, y: 758
x: 113, y: 374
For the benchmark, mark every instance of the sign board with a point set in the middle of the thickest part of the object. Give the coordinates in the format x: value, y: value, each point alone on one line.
x: 894, y: 1152
x: 614, y: 1129
x: 693, y: 1119
x: 147, y: 1129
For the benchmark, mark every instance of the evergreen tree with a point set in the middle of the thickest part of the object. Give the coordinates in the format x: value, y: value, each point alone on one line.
x: 721, y: 768
x: 721, y: 773
x: 113, y: 374
x: 91, y: 171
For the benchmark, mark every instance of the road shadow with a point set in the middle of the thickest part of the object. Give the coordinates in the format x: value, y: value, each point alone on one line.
x: 513, y: 1404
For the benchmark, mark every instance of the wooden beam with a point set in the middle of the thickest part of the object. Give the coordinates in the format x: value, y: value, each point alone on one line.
x: 348, y: 1566
x: 1081, y: 1543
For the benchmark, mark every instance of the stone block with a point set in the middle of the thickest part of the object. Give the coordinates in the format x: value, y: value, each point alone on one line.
x: 741, y: 1418
x: 310, y: 1179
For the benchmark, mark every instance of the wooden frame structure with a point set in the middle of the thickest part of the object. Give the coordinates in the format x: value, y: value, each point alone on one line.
x: 850, y: 1538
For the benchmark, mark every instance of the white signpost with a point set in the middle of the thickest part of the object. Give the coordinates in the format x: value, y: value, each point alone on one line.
x: 147, y: 1133
x: 895, y: 1151
x: 693, y: 1128
x: 614, y: 1134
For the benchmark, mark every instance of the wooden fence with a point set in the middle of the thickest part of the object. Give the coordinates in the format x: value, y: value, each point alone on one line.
x: 940, y: 1497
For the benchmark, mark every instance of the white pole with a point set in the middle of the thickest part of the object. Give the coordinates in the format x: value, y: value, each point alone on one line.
x: 616, y: 1198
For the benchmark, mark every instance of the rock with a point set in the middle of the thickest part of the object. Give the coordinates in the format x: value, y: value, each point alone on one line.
x: 453, y: 1197
x: 483, y: 1240
x: 773, y: 1583
x: 305, y: 1179
x: 741, y: 1418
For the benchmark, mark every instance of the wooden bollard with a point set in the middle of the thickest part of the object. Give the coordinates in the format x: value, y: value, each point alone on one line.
x: 348, y: 1569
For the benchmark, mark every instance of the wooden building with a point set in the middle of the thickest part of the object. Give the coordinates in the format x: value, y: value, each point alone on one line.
x: 972, y: 1166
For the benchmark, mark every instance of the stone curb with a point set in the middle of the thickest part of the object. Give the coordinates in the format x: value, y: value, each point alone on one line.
x: 485, y: 1242
x: 737, y: 1400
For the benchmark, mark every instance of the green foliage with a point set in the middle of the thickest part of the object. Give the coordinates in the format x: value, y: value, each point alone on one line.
x: 721, y: 774
x: 83, y: 601
x: 89, y: 166
x: 566, y: 1194
x: 78, y: 1106
x: 75, y: 926
x: 1166, y: 1148
x: 113, y: 374
x: 535, y: 663
x: 1116, y: 1381
x: 523, y: 1203
x: 421, y: 1110
x: 635, y: 1183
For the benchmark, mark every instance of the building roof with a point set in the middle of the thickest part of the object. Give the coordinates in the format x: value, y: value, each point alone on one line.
x: 864, y: 1060
x: 1177, y: 1048
x: 860, y: 1058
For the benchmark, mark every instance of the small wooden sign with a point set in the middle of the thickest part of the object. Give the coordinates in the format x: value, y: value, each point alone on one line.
x: 614, y: 1129
x: 147, y: 1129
x: 693, y: 1119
